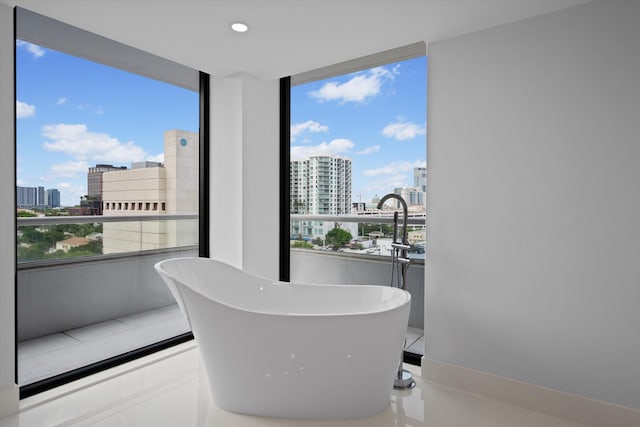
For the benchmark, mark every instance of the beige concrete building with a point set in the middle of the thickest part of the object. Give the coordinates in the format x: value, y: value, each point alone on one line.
x: 152, y: 188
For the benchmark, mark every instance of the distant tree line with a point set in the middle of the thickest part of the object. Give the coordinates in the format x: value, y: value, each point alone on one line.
x: 36, y: 242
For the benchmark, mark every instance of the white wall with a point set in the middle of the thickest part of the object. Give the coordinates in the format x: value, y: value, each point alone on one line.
x: 226, y: 170
x: 244, y: 173
x: 534, y: 234
x: 260, y: 178
x: 8, y: 390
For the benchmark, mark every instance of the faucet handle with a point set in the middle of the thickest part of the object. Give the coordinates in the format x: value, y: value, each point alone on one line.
x: 400, y: 246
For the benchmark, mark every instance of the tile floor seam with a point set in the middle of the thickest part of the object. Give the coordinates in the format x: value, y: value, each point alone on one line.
x: 72, y: 337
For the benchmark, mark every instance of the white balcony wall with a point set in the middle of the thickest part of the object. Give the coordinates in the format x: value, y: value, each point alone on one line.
x: 319, y: 267
x: 61, y: 297
x: 534, y: 233
x: 8, y: 389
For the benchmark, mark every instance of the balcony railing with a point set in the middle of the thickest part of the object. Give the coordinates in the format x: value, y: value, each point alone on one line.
x: 377, y: 244
x: 382, y: 217
x: 88, y: 219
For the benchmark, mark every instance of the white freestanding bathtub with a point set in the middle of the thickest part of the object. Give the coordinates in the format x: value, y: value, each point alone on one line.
x: 291, y: 350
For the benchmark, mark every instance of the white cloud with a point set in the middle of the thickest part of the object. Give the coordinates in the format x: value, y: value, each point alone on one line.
x: 88, y: 107
x: 62, y: 101
x: 70, y: 193
x: 70, y: 169
x: 309, y: 125
x: 386, y: 184
x: 403, y: 130
x: 33, y: 49
x: 157, y: 158
x: 24, y: 110
x: 77, y: 141
x: 336, y: 147
x: 395, y: 168
x: 369, y: 150
x: 358, y: 89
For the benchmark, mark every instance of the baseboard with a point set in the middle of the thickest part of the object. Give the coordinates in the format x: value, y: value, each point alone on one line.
x: 9, y: 400
x: 564, y: 405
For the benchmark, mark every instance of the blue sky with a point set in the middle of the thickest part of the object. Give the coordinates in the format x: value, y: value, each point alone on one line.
x: 376, y: 118
x: 73, y: 113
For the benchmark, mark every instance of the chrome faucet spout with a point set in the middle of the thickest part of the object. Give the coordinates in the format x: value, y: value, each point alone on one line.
x: 405, y: 214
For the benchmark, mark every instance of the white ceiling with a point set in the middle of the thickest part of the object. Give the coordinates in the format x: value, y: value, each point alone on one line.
x: 286, y: 37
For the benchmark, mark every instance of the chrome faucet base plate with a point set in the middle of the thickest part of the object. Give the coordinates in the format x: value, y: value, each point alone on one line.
x: 404, y: 380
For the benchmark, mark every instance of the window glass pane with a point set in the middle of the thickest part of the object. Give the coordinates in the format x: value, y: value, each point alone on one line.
x: 356, y: 138
x: 96, y: 145
x: 91, y: 140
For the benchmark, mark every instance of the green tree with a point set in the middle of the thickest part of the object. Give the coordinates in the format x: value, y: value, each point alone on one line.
x: 30, y: 235
x: 52, y: 236
x: 23, y: 214
x: 94, y: 247
x: 337, y: 238
x: 32, y: 253
x: 384, y: 228
x: 302, y: 244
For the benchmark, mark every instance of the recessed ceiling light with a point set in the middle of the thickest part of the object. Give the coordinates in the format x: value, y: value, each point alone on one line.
x: 239, y: 27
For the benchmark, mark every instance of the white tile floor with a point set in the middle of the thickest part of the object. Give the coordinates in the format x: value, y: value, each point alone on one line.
x: 169, y: 389
x: 54, y: 354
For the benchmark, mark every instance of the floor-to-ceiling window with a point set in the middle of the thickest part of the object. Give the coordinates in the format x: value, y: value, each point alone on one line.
x: 110, y: 143
x: 357, y: 132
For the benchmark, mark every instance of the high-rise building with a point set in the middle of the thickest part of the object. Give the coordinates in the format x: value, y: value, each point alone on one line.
x: 319, y: 185
x: 92, y: 203
x: 420, y: 179
x: 30, y: 197
x: 25, y: 197
x: 413, y: 197
x: 152, y: 188
x: 52, y: 198
x: 41, y: 202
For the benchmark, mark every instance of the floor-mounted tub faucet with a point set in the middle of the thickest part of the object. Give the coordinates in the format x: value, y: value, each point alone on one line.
x: 399, y: 264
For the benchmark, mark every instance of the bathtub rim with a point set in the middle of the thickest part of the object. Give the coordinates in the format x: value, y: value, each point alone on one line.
x: 404, y: 297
